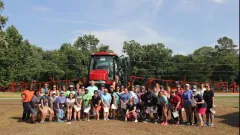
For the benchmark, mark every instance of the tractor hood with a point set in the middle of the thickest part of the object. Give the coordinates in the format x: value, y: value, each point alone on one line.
x: 98, y: 75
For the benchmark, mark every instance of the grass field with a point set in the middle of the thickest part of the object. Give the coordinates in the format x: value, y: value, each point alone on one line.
x: 226, y: 123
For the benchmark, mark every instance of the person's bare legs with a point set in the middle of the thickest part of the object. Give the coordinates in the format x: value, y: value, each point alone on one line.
x: 199, y: 116
x: 75, y: 115
x: 113, y: 113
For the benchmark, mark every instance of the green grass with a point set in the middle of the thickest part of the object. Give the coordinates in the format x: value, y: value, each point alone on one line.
x: 226, y: 97
x: 10, y: 94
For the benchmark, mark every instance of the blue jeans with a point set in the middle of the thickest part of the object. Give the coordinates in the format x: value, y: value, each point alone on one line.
x: 26, y: 111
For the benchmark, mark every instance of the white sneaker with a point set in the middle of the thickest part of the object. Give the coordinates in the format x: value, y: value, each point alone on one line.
x: 69, y: 123
x: 88, y: 120
x: 136, y: 121
x: 105, y: 119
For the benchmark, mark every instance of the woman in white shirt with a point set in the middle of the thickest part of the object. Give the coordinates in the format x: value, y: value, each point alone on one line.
x: 69, y: 102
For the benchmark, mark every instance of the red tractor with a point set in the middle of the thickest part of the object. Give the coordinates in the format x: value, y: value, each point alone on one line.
x: 103, y: 67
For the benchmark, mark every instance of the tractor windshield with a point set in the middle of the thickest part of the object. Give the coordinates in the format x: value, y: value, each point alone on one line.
x: 104, y: 63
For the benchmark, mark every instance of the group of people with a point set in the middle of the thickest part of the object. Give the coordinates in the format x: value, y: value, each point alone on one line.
x: 118, y: 102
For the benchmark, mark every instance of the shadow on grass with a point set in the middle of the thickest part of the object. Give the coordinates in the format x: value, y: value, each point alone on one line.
x: 231, y: 119
x: 19, y: 119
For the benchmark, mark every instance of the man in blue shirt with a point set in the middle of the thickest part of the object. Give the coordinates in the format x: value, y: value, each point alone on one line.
x: 187, y: 97
x: 92, y: 88
x: 60, y: 102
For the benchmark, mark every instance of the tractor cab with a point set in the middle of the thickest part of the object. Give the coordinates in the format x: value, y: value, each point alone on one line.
x: 103, y: 67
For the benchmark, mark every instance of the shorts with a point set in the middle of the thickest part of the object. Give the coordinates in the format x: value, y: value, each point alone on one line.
x: 60, y: 113
x: 47, y: 109
x: 33, y: 111
x: 98, y: 108
x: 151, y: 110
x: 86, y: 107
x: 201, y: 110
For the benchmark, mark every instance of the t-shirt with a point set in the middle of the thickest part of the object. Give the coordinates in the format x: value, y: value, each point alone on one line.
x: 125, y: 96
x: 91, y: 90
x: 45, y: 90
x: 68, y: 92
x: 45, y: 100
x: 86, y: 98
x: 100, y: 93
x: 52, y: 101
x: 174, y: 100
x: 135, y: 99
x: 95, y: 100
x: 187, y: 96
x: 35, y: 101
x: 78, y: 97
x: 150, y: 99
x: 106, y: 99
x: 130, y: 107
x: 70, y: 102
x: 61, y: 100
x: 162, y: 99
x: 199, y: 98
x: 201, y: 91
x: 28, y: 95
x: 208, y: 95
x: 117, y: 97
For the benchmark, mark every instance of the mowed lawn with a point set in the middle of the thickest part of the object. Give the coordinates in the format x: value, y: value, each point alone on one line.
x: 226, y: 123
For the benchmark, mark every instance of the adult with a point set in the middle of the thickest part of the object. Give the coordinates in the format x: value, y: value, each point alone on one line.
x: 45, y: 88
x: 113, y: 106
x: 26, y: 98
x: 92, y: 88
x: 54, y: 91
x: 175, y: 105
x: 106, y: 101
x: 163, y: 101
x: 150, y: 102
x: 45, y: 110
x: 158, y: 87
x: 71, y: 90
x: 202, y: 89
x: 116, y: 96
x: 208, y: 96
x: 78, y: 104
x: 122, y: 89
x: 179, y: 92
x: 77, y: 87
x: 96, y: 104
x: 60, y: 102
x: 34, y: 104
x: 194, y: 108
x: 124, y: 99
x: 134, y: 96
x: 201, y: 106
x: 69, y: 103
x: 116, y: 82
x: 87, y: 104
x: 187, y: 96
x: 101, y: 91
x: 131, y: 111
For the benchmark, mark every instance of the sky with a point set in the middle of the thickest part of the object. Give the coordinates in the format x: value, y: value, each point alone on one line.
x: 181, y: 25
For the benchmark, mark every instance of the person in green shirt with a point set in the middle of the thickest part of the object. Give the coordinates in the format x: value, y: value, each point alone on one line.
x: 86, y: 98
x: 71, y: 87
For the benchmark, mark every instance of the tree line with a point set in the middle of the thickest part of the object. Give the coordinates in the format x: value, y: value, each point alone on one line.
x: 22, y: 61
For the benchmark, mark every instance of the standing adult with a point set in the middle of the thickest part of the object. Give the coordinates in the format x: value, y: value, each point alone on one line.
x: 175, y: 105
x: 150, y: 102
x: 54, y: 91
x: 69, y: 103
x: 116, y: 102
x: 92, y: 88
x: 96, y: 104
x: 71, y: 90
x: 202, y: 89
x: 116, y: 82
x: 194, y: 108
x: 34, y: 104
x: 60, y: 102
x: 87, y: 104
x: 163, y: 101
x: 208, y: 96
x: 201, y: 106
x: 26, y: 98
x: 187, y: 96
x: 78, y: 104
x: 45, y: 88
x: 124, y: 99
x: 179, y: 92
x: 106, y: 101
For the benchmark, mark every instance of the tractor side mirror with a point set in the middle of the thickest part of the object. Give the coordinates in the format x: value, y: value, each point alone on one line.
x: 83, y: 62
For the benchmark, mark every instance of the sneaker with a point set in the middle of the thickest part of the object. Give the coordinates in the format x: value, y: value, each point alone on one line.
x: 136, y: 121
x: 88, y: 120
x: 59, y: 121
x: 166, y: 123
x: 211, y: 125
x: 163, y: 123
x: 107, y: 119
x: 69, y: 123
x: 42, y: 122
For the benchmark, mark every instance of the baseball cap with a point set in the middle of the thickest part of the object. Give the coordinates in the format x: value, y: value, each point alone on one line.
x: 194, y: 87
x: 194, y: 90
x: 62, y: 92
x: 71, y: 86
x: 187, y: 85
x: 54, y: 92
